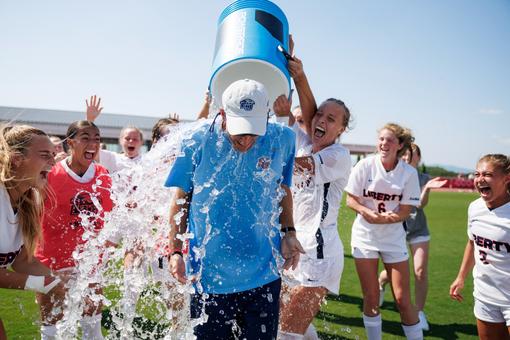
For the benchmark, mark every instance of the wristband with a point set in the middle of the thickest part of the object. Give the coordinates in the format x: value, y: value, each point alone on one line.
x: 283, y: 119
x: 287, y: 229
x: 36, y: 284
x: 178, y: 252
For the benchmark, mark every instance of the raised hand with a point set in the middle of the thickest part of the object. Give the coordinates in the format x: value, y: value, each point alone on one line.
x: 296, y: 68
x: 93, y: 108
x: 174, y: 116
x: 281, y: 106
x: 435, y: 183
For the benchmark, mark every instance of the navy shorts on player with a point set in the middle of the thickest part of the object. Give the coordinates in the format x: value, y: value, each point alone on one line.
x: 251, y: 314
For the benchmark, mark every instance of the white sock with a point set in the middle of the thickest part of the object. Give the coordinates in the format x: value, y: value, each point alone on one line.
x: 373, y: 326
x: 289, y: 336
x: 91, y: 327
x: 48, y: 332
x: 413, y: 332
x: 311, y: 333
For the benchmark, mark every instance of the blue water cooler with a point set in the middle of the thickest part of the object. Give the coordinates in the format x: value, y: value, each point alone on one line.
x: 249, y: 33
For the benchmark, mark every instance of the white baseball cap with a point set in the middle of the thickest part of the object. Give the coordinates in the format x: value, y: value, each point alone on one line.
x: 246, y: 105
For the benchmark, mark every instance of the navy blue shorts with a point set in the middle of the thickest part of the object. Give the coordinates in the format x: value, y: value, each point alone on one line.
x: 252, y: 314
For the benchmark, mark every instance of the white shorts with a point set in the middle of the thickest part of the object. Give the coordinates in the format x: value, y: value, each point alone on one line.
x: 312, y: 272
x: 491, y: 313
x: 419, y: 239
x: 325, y: 271
x: 386, y: 256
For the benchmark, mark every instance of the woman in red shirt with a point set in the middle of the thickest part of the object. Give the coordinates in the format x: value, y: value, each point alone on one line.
x: 79, y: 196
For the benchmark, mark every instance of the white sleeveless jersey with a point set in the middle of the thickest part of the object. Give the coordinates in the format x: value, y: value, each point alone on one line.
x: 11, y: 238
x: 317, y: 197
x: 490, y: 232
x: 381, y: 190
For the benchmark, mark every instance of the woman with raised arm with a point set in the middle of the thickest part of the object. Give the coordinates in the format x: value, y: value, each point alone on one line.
x: 382, y: 190
x: 26, y: 158
x: 321, y: 171
x: 488, y: 249
x: 130, y: 140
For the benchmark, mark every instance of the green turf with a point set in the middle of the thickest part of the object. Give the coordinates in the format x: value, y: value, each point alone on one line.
x: 448, y: 319
x: 340, y: 318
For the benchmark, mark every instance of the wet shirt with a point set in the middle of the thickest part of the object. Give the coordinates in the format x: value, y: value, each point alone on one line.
x: 490, y: 232
x: 317, y: 197
x: 381, y: 190
x: 75, y: 197
x: 234, y: 211
x: 11, y: 238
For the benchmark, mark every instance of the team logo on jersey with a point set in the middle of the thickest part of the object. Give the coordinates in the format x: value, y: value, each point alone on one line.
x: 381, y: 196
x: 83, y: 204
x: 8, y: 258
x: 247, y: 104
x: 264, y: 163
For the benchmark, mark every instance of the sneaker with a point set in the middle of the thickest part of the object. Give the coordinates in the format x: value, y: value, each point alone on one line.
x: 423, y: 321
x: 381, y: 295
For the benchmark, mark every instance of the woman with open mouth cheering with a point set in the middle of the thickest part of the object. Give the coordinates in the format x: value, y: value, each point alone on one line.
x: 80, y: 198
x: 488, y: 249
x: 26, y: 158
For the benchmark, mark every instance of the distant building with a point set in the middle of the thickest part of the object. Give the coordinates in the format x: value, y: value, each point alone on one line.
x: 55, y: 122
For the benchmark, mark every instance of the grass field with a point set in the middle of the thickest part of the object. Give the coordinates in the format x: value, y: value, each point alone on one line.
x: 340, y: 318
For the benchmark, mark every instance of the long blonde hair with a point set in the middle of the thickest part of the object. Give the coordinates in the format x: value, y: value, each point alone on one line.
x: 17, y: 139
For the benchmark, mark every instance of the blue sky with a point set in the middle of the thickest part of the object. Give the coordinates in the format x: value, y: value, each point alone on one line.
x: 441, y: 68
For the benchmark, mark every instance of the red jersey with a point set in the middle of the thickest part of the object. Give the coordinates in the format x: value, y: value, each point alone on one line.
x: 62, y: 227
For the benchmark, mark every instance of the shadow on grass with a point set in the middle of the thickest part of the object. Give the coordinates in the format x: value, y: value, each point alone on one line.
x: 143, y: 328
x: 445, y: 331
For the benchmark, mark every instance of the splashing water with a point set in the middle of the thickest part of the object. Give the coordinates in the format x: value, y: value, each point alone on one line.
x: 133, y: 285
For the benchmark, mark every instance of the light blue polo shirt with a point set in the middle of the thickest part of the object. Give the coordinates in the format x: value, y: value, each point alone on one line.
x: 234, y: 211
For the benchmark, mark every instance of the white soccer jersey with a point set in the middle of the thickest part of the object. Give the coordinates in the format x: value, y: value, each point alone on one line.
x: 490, y: 232
x: 114, y: 162
x: 11, y: 238
x: 381, y: 190
x: 317, y: 197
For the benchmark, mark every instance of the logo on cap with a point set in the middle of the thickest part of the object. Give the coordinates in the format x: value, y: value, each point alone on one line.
x: 247, y: 104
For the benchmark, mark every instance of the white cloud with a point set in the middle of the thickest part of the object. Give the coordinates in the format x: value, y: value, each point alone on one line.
x: 492, y: 112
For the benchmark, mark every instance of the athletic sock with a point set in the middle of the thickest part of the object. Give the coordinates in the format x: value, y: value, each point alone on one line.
x: 91, y: 327
x: 289, y: 336
x: 311, y: 333
x: 413, y: 332
x: 373, y: 326
x: 423, y: 321
x: 48, y: 332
